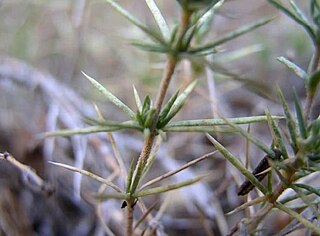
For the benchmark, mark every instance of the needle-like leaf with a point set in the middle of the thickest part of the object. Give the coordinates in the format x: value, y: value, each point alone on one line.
x: 253, y: 139
x: 161, y: 22
x: 137, y: 99
x: 300, y: 117
x: 298, y: 217
x: 95, y: 129
x: 295, y: 68
x: 116, y: 101
x: 238, y: 54
x: 216, y: 122
x: 177, y: 105
x: 278, y: 138
x: 171, y: 173
x: 135, y: 21
x: 230, y: 36
x: 309, y: 188
x: 247, y: 204
x: 296, y: 18
x: 170, y: 187
x: 89, y: 174
x: 129, y: 176
x: 167, y: 107
x: 151, y: 47
x: 290, y: 121
x: 145, y: 215
x: 299, y: 12
x: 88, y: 130
x: 237, y: 164
x: 314, y: 82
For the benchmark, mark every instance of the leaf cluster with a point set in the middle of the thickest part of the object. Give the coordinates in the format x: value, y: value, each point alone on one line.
x: 178, y: 42
x: 296, y: 14
x: 184, y: 41
x: 298, y: 143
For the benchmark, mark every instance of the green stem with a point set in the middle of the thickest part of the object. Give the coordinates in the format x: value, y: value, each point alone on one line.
x: 150, y: 137
x: 145, y: 153
x: 165, y: 81
x: 130, y: 209
x: 300, y: 218
x: 252, y: 222
x: 171, y: 64
x: 316, y: 59
x: 185, y: 20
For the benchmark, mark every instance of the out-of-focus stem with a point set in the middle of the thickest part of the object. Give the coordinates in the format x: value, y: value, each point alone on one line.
x: 310, y: 95
x: 315, y: 60
x: 252, y: 222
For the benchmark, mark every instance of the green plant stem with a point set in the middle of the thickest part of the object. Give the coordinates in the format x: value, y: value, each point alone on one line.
x: 171, y: 64
x: 185, y: 20
x: 301, y: 219
x: 166, y: 78
x: 149, y: 139
x: 145, y: 153
x: 130, y: 209
x: 316, y: 59
x: 252, y: 222
x: 310, y: 95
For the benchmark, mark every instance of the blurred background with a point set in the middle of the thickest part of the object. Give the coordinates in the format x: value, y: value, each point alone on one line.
x: 44, y: 47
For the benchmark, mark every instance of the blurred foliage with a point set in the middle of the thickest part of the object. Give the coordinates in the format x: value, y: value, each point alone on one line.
x: 48, y: 35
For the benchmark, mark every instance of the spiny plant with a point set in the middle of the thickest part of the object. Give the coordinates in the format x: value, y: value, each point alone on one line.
x: 154, y: 119
x: 293, y: 161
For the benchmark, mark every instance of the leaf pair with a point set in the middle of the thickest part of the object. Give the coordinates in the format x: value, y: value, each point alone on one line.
x: 145, y: 115
x: 143, y: 191
x: 174, y: 105
x: 146, y: 112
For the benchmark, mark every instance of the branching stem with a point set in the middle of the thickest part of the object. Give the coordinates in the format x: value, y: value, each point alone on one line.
x: 172, y: 61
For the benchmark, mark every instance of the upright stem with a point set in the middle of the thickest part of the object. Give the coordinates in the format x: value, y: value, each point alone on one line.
x: 315, y: 60
x: 142, y: 160
x: 148, y: 142
x: 172, y: 61
x: 252, y: 222
x: 149, y: 139
x: 165, y: 81
x: 129, y: 226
